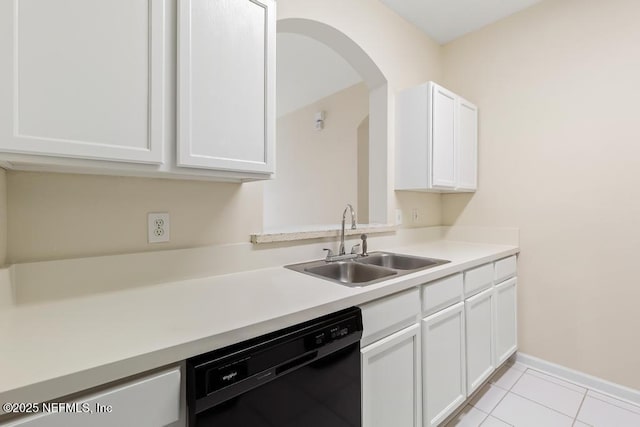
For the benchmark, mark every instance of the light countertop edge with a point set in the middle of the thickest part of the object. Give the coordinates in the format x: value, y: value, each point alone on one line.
x: 178, y: 320
x: 306, y: 234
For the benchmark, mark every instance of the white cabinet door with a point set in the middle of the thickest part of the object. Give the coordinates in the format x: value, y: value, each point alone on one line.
x: 83, y: 79
x: 506, y: 330
x: 391, y: 380
x: 443, y: 364
x: 226, y: 83
x: 467, y: 146
x: 149, y: 402
x: 436, y: 140
x: 479, y: 342
x: 443, y: 147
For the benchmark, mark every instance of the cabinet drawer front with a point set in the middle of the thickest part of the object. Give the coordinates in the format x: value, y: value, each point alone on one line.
x: 148, y: 402
x: 505, y: 268
x: 477, y: 279
x: 387, y: 315
x: 441, y: 294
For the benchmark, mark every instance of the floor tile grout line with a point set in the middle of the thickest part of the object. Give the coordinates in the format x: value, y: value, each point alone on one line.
x: 505, y: 395
x: 582, y: 386
x: 584, y: 395
x: 579, y: 407
x: 544, y: 406
x: 586, y: 392
x: 586, y: 387
x: 612, y: 404
x: 485, y: 418
x: 581, y: 422
x: 507, y: 389
x: 494, y: 407
x: 622, y: 400
x: 512, y: 365
x: 500, y: 419
x: 535, y: 371
x: 498, y: 386
x: 510, y: 391
x: 486, y: 415
x: 484, y: 412
x: 519, y: 378
x: 561, y: 379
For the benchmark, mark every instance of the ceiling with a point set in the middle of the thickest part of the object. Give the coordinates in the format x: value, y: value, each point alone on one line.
x: 446, y: 20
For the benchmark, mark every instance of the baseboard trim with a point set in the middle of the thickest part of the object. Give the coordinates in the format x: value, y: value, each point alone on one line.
x: 597, y: 384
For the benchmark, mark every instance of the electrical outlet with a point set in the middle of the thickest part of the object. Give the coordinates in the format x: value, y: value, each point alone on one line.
x: 158, y: 227
x: 398, y: 216
x: 414, y: 215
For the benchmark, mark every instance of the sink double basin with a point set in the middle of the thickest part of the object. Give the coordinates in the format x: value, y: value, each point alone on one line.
x: 367, y: 270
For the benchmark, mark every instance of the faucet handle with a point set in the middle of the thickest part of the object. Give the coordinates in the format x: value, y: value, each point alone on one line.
x: 364, y: 244
x: 354, y: 248
x: 329, y: 253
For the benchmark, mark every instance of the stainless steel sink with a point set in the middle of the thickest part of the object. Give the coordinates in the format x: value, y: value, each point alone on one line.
x: 365, y: 271
x: 400, y: 262
x: 349, y: 272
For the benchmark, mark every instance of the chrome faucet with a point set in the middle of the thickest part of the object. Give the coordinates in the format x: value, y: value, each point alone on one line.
x: 342, y: 256
x: 353, y: 226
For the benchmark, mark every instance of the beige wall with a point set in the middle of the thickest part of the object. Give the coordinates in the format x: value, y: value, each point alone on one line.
x: 56, y: 216
x: 363, y: 170
x: 317, y: 170
x: 3, y: 217
x: 557, y: 88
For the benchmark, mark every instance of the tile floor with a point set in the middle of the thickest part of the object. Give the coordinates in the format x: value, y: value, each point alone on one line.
x: 524, y: 397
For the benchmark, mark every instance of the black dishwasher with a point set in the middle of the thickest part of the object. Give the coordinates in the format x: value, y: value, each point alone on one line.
x: 305, y: 375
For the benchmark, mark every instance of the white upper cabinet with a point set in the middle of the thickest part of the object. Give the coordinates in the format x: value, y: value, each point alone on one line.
x: 441, y: 145
x: 467, y: 149
x: 436, y: 140
x: 225, y: 85
x: 83, y: 79
x: 87, y: 86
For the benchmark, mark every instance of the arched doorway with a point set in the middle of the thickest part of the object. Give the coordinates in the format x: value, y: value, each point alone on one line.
x: 379, y: 186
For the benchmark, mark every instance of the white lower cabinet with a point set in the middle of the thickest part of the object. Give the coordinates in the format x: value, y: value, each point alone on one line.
x: 506, y: 330
x: 479, y: 338
x: 152, y: 401
x: 418, y: 374
x: 391, y: 380
x: 443, y: 364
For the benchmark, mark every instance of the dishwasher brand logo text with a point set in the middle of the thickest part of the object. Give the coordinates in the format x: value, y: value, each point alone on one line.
x: 230, y: 376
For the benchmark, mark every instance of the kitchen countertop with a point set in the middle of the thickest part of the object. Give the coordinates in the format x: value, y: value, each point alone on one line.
x: 53, y: 349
